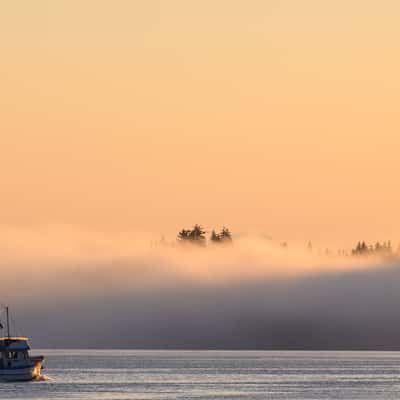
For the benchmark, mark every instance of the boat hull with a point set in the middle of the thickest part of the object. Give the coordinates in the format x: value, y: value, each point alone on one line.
x: 21, y: 374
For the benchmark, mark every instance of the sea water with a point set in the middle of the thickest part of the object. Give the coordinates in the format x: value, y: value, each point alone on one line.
x: 169, y: 374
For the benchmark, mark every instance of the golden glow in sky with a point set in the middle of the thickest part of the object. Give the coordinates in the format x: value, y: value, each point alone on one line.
x: 280, y: 117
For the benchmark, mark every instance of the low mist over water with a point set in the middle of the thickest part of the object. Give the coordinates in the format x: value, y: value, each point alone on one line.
x: 81, y: 290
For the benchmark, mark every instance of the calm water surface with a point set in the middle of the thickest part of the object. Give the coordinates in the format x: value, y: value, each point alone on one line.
x: 116, y: 374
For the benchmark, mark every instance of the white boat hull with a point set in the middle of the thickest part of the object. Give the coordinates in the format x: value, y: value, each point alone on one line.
x: 19, y: 374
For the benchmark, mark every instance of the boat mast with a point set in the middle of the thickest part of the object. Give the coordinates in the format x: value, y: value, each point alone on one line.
x: 8, y: 323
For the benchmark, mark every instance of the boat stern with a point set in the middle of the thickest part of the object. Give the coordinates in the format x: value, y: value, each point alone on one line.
x: 37, y: 366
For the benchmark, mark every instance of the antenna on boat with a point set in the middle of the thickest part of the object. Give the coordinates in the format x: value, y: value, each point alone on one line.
x: 8, y: 323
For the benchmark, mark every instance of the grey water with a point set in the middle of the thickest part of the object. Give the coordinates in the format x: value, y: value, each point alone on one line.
x: 169, y: 374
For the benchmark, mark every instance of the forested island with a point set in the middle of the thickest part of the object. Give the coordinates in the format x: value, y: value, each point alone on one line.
x: 197, y: 236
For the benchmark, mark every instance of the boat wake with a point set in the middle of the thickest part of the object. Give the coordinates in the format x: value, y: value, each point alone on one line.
x: 42, y: 378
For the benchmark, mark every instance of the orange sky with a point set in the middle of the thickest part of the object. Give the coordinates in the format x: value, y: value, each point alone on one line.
x: 279, y: 117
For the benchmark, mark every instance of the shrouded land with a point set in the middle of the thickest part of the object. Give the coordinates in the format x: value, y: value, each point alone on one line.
x: 97, y: 292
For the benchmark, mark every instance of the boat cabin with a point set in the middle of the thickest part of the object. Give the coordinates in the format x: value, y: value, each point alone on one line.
x: 14, y: 352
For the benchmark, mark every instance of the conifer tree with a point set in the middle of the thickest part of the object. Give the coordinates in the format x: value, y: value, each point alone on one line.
x: 215, y: 237
x: 225, y: 235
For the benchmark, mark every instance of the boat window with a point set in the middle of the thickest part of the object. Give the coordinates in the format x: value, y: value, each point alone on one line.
x: 12, y: 355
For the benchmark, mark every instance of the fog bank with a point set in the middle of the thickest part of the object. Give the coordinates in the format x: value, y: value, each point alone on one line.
x: 82, y: 290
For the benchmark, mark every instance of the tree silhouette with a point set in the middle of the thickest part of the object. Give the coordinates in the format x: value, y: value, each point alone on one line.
x: 225, y: 235
x: 360, y: 249
x: 184, y: 234
x: 195, y: 235
x: 364, y: 248
x: 215, y: 237
x: 383, y: 249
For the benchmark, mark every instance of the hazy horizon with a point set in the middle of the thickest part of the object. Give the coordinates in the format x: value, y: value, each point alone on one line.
x: 124, y: 122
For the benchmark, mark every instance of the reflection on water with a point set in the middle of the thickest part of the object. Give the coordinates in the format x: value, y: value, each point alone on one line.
x: 42, y: 377
x: 120, y: 374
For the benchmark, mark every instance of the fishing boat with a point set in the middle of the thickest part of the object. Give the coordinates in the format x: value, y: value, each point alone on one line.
x: 15, y: 362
